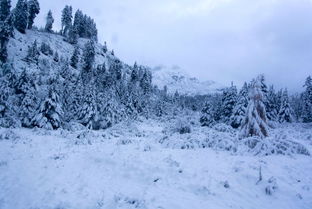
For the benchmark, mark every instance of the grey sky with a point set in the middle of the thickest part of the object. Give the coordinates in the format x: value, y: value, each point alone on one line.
x: 220, y: 40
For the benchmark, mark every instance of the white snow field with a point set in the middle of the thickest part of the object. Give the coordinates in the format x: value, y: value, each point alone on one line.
x: 141, y: 165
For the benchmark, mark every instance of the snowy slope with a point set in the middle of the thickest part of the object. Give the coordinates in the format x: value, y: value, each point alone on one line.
x: 126, y: 167
x: 177, y: 80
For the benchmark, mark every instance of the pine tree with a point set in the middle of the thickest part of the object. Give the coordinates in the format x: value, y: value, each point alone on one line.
x: 33, y: 11
x: 75, y: 58
x: 5, y: 8
x: 207, y: 115
x: 33, y: 53
x: 105, y: 47
x: 271, y: 105
x: 229, y: 98
x: 285, y: 112
x: 72, y: 36
x: 78, y: 23
x: 307, y: 101
x: 67, y: 18
x: 88, y: 56
x: 50, y: 113
x: 240, y: 108
x: 6, y: 31
x: 49, y: 22
x: 255, y: 122
x: 56, y: 57
x: 88, y: 113
x: 21, y: 16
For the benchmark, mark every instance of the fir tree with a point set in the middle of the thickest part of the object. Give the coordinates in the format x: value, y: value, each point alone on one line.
x: 6, y: 31
x: 255, y: 122
x: 88, y: 56
x: 21, y: 16
x: 56, y: 57
x: 240, y: 108
x: 5, y: 8
x: 33, y: 11
x: 228, y: 102
x: 50, y: 113
x: 49, y: 22
x: 72, y: 36
x: 272, y: 106
x: 78, y: 23
x: 33, y: 53
x: 207, y: 115
x: 75, y: 58
x: 67, y: 16
x: 285, y: 112
x: 307, y: 101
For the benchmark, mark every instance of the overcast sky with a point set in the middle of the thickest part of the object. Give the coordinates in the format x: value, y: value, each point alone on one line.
x: 220, y: 40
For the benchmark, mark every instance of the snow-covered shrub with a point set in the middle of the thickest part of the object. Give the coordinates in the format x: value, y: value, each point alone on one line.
x: 182, y: 127
x: 46, y: 49
x: 8, y: 135
x: 271, y: 187
x: 269, y: 146
x: 222, y: 127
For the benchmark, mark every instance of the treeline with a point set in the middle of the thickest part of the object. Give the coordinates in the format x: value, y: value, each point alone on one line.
x: 231, y: 106
x: 23, y: 15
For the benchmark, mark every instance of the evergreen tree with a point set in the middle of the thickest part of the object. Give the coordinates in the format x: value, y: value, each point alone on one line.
x: 104, y: 47
x: 50, y: 113
x: 78, y: 23
x: 33, y: 11
x: 307, y: 101
x: 229, y: 98
x: 67, y: 18
x: 240, y: 108
x: 5, y: 8
x: 6, y: 31
x: 56, y: 57
x: 255, y: 122
x: 49, y: 22
x: 207, y: 115
x: 285, y: 112
x: 33, y: 53
x: 72, y: 36
x: 88, y: 56
x: 75, y: 58
x: 271, y: 105
x: 21, y: 16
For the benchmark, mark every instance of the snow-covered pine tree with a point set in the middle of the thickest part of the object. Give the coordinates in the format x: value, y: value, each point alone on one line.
x: 307, y: 101
x: 88, y: 113
x: 271, y: 105
x: 239, y: 111
x: 50, y: 113
x: 255, y: 122
x: 104, y: 47
x: 74, y: 60
x: 72, y: 36
x: 207, y: 115
x: 285, y: 112
x: 78, y: 23
x: 5, y: 8
x: 67, y: 18
x: 56, y: 57
x: 28, y: 97
x: 33, y: 11
x: 88, y: 56
x: 33, y: 53
x: 21, y: 16
x: 229, y: 98
x: 6, y: 31
x: 49, y: 22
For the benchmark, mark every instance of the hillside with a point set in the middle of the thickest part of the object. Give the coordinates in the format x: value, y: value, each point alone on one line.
x: 177, y: 80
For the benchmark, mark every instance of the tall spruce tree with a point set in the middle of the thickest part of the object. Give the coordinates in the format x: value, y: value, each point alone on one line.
x: 74, y: 60
x: 255, y: 122
x: 271, y: 104
x: 67, y: 19
x: 6, y: 31
x: 240, y: 108
x: 207, y: 115
x: 49, y: 22
x: 88, y: 56
x: 5, y: 8
x: 33, y: 11
x: 50, y: 112
x: 285, y: 112
x: 21, y: 16
x: 307, y: 101
x: 229, y: 98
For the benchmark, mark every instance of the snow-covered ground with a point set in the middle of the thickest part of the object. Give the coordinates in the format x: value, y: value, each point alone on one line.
x: 131, y: 166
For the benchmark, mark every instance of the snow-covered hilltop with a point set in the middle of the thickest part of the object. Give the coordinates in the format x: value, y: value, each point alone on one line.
x: 177, y: 80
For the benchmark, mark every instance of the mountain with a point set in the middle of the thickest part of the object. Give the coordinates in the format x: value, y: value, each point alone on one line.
x: 176, y: 79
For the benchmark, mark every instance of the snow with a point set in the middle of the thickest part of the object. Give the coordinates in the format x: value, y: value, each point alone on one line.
x: 126, y: 166
x: 176, y: 79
